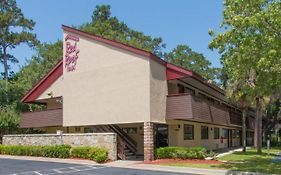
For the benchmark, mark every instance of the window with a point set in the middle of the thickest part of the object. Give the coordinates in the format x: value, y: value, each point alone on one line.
x: 225, y: 133
x: 131, y: 130
x: 77, y: 129
x: 216, y: 133
x: 204, y: 132
x: 188, y: 132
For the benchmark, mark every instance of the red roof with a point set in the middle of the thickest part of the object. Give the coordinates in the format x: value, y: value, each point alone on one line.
x: 172, y: 71
x: 44, y: 83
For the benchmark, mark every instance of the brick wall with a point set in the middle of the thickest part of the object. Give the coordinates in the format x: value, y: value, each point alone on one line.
x: 104, y: 140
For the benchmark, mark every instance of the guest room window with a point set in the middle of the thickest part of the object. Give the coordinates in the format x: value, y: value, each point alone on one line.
x: 204, y: 132
x: 188, y: 132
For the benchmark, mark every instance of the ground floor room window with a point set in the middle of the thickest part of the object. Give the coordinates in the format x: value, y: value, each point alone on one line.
x: 204, y: 132
x: 225, y: 133
x: 188, y: 132
x: 216, y: 133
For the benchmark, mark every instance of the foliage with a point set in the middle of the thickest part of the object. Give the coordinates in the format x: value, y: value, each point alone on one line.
x: 251, y: 51
x: 105, y: 25
x: 181, y: 152
x: 9, y: 121
x: 14, y: 30
x: 57, y: 151
x: 99, y: 155
x: 185, y: 57
x: 272, y: 115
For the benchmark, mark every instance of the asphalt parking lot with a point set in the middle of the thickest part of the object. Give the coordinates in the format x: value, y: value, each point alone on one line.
x: 27, y: 167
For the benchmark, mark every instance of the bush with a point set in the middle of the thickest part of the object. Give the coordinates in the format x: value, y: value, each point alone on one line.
x: 181, y: 153
x: 57, y: 151
x: 93, y: 153
x: 99, y: 155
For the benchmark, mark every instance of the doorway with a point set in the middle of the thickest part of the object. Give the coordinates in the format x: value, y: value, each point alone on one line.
x: 161, y: 136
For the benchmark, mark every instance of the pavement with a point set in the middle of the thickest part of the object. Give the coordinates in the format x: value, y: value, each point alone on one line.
x: 23, y: 165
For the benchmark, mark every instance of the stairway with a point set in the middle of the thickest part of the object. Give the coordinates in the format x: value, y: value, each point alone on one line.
x: 126, y: 146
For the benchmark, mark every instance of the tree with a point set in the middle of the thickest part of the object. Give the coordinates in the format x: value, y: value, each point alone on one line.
x: 9, y: 121
x: 272, y: 115
x: 107, y: 26
x: 14, y: 30
x: 251, y: 51
x: 185, y: 57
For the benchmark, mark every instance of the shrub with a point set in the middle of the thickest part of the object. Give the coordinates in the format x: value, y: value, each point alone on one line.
x: 99, y: 155
x: 181, y: 152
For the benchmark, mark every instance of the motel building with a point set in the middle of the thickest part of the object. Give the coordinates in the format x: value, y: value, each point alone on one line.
x: 102, y: 85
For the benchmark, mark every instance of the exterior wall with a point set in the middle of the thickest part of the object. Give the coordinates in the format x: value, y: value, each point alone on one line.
x: 104, y: 140
x: 176, y: 135
x: 158, y: 92
x: 56, y: 88
x: 109, y: 85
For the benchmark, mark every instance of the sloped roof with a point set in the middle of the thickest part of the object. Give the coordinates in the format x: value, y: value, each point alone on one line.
x: 172, y: 71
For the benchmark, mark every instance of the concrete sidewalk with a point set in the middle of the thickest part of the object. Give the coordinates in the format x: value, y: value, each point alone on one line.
x: 135, y: 165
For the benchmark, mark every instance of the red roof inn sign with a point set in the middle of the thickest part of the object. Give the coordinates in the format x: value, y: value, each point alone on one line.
x: 71, y: 52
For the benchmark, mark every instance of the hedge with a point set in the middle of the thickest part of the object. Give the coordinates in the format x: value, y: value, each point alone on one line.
x: 181, y: 153
x: 57, y: 151
x: 93, y: 153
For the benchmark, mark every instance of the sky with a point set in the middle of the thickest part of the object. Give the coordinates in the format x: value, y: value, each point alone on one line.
x: 176, y: 21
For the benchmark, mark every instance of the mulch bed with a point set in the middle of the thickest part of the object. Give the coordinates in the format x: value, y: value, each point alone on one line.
x: 193, y: 161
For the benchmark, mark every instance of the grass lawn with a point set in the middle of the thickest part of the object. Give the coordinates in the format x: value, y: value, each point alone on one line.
x: 240, y: 161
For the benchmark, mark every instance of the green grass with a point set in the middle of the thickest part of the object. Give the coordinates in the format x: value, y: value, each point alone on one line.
x: 249, y: 161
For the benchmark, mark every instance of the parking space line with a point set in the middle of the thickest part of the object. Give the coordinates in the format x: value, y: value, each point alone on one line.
x: 61, y: 170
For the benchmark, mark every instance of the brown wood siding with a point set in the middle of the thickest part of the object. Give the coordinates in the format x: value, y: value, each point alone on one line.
x: 200, y: 109
x: 38, y: 119
x: 250, y: 123
x: 236, y: 118
x: 179, y: 107
x: 220, y: 115
x: 186, y: 107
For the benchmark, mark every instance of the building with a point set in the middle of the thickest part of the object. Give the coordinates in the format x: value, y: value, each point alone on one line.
x: 101, y: 85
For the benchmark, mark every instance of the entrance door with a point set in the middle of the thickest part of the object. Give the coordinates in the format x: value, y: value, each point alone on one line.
x: 161, y: 139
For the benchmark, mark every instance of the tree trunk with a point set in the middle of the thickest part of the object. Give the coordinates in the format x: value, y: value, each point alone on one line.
x: 6, y: 73
x: 244, y: 137
x: 258, y: 126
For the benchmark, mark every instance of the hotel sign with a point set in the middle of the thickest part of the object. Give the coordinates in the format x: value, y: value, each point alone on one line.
x: 71, y: 52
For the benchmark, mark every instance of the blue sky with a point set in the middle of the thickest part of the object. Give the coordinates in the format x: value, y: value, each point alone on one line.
x: 176, y: 21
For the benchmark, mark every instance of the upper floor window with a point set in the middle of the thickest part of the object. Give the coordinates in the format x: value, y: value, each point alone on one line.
x: 188, y: 132
x: 216, y: 133
x: 181, y: 88
x: 130, y: 130
x: 204, y: 132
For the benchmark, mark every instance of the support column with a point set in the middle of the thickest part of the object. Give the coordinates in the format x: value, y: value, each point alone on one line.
x: 148, y: 141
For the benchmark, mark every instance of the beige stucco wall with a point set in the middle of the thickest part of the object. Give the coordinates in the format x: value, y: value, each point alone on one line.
x: 108, y: 86
x: 56, y: 88
x: 158, y: 92
x: 176, y: 135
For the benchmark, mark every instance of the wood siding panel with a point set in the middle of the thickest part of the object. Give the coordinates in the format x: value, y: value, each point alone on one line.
x: 220, y: 115
x: 250, y: 122
x: 190, y: 107
x: 179, y: 107
x: 236, y: 118
x: 41, y: 119
x: 201, y: 110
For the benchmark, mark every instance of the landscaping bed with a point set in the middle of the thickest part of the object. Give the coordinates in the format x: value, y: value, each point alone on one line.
x: 99, y: 155
x: 248, y: 161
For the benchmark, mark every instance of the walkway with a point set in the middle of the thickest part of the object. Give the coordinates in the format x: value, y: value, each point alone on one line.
x: 277, y: 158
